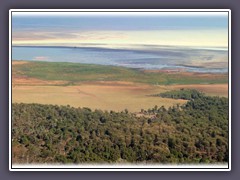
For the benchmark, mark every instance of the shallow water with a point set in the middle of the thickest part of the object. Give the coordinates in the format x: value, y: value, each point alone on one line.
x: 147, y: 58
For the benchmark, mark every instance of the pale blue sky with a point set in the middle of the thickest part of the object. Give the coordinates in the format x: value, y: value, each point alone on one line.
x: 158, y: 29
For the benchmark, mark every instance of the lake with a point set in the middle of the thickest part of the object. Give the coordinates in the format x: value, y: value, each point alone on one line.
x: 145, y: 57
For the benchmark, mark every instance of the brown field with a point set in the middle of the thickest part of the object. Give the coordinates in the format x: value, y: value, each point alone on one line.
x: 19, y: 62
x: 106, y: 95
x: 115, y: 96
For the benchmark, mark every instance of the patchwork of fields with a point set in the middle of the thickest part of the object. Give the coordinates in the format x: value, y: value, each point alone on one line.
x: 105, y: 87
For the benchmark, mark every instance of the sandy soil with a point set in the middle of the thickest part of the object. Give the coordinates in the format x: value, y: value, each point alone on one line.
x: 110, y: 96
x: 19, y: 62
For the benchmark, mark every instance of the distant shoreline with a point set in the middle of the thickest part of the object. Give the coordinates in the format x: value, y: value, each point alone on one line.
x: 167, y: 70
x: 125, y: 47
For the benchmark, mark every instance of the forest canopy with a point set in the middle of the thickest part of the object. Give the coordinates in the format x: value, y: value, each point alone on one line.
x: 196, y: 132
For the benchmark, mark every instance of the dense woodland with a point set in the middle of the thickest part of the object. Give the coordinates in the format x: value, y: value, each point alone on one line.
x: 187, y: 94
x: 196, y: 132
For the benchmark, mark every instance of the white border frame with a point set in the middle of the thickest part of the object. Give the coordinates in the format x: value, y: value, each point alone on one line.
x: 219, y: 167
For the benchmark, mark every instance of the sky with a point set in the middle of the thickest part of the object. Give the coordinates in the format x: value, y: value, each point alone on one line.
x: 201, y: 29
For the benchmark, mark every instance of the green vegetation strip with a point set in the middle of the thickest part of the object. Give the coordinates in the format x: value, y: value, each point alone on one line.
x: 76, y: 72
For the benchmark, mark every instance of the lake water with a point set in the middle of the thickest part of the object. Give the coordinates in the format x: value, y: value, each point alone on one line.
x: 197, y: 60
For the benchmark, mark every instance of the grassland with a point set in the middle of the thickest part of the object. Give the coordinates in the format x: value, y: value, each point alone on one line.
x: 105, y: 87
x: 73, y: 73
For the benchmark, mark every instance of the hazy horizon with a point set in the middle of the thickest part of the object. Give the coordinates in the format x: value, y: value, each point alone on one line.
x: 192, y: 29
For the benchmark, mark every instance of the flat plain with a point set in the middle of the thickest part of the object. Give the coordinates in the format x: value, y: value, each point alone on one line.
x: 105, y: 87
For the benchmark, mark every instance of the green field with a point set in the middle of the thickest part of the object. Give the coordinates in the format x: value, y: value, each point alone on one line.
x: 73, y: 73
